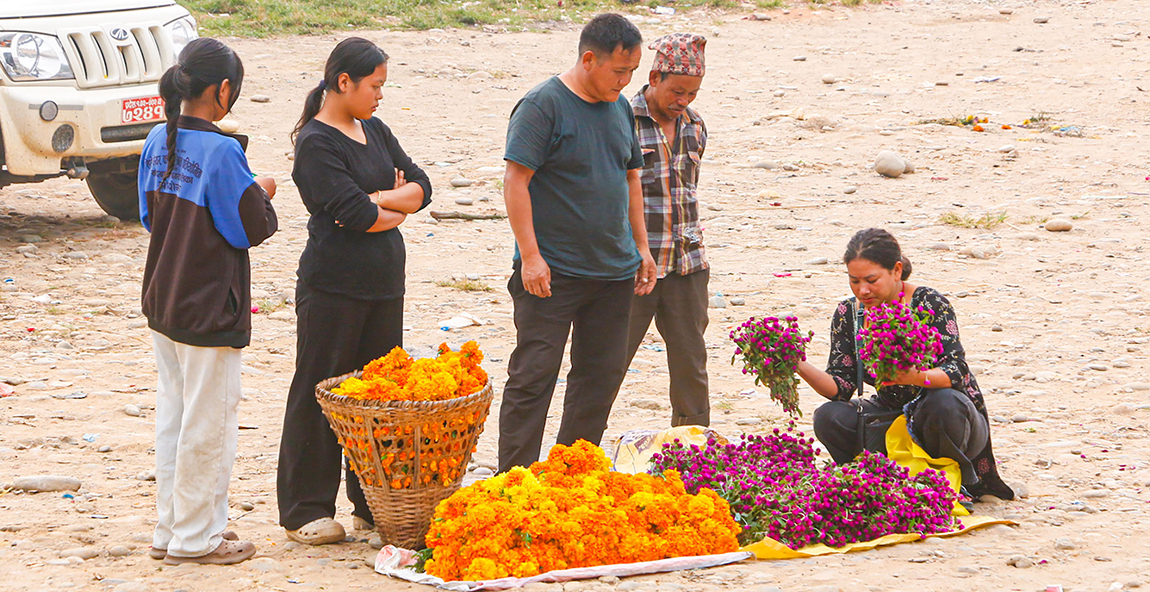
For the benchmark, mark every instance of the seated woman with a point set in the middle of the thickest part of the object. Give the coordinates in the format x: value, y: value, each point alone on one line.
x: 943, y: 405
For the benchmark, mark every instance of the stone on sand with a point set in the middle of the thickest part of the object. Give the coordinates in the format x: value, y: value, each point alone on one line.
x: 889, y: 164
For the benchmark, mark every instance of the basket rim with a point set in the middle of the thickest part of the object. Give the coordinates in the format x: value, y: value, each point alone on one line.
x: 322, y: 392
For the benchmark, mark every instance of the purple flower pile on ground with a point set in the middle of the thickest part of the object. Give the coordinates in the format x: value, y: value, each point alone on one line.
x: 897, y: 339
x: 777, y: 489
x: 771, y: 350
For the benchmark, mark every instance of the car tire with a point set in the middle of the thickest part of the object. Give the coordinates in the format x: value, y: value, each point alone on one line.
x: 117, y: 194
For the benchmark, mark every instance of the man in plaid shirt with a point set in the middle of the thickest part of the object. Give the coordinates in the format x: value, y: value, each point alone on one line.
x: 673, y: 137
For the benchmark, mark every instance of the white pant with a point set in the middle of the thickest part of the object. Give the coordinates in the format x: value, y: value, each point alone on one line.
x: 196, y: 431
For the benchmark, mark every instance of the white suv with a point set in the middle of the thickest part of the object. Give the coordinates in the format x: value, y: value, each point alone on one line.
x: 79, y: 90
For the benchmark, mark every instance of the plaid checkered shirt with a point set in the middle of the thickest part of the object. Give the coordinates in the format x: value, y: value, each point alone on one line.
x: 670, y: 177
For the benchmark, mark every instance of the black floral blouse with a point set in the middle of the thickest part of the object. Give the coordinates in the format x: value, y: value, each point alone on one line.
x: 842, y: 363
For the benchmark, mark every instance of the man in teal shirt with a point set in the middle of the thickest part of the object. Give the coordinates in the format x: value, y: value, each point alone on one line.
x: 575, y: 204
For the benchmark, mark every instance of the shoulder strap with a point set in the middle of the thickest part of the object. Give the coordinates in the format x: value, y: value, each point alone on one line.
x: 858, y: 323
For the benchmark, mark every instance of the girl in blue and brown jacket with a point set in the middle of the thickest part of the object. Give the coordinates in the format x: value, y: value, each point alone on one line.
x: 205, y: 209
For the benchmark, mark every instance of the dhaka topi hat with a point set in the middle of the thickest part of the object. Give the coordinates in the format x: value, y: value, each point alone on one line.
x: 679, y: 53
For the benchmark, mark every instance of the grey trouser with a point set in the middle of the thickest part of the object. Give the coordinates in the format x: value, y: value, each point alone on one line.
x: 679, y: 305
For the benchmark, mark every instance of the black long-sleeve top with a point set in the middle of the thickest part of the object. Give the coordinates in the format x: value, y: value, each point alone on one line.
x: 335, y: 174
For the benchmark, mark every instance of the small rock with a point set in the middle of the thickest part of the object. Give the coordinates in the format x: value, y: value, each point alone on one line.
x: 1020, y: 418
x: 461, y: 182
x: 132, y: 410
x: 119, y: 551
x: 849, y: 189
x: 46, y: 483
x: 1005, y: 11
x: 1042, y: 20
x: 938, y: 247
x: 889, y: 164
x: 829, y: 79
x: 800, y: 58
x: 646, y: 404
x: 81, y: 552
x: 1123, y: 409
x: 76, y: 255
x: 261, y: 99
x: 609, y: 580
x: 1097, y: 367
x: 766, y: 164
x: 1006, y: 149
x: 265, y: 564
x: 31, y: 238
x: 1021, y: 491
x: 104, y: 448
x: 464, y: 201
x: 26, y: 249
x: 817, y: 261
x: 1096, y: 494
x: 717, y: 301
x: 1138, y: 386
x: 375, y: 541
x: 483, y: 472
x: 909, y: 168
x: 1059, y: 225
x: 247, y: 506
x: 738, y: 301
x: 1065, y: 544
x: 748, y: 421
x: 760, y: 16
x: 1020, y: 561
x: 790, y: 167
x: 996, y: 328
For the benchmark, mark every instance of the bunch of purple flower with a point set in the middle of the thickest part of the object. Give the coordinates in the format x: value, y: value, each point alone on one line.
x: 776, y: 490
x: 897, y: 338
x: 771, y: 350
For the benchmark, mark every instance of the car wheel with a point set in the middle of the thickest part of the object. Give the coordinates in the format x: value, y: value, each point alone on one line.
x: 117, y: 194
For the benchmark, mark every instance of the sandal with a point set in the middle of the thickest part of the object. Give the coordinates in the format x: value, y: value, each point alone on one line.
x: 227, y: 553
x: 320, y: 531
x: 158, y: 553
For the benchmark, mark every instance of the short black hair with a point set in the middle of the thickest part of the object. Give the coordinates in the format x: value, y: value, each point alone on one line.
x: 606, y: 33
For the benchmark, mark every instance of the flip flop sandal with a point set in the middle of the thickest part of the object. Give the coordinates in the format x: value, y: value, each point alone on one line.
x: 318, y: 532
x: 158, y: 554
x: 227, y: 553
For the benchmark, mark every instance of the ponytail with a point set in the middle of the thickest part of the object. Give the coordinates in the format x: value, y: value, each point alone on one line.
x: 203, y: 63
x: 355, y: 56
x: 906, y: 267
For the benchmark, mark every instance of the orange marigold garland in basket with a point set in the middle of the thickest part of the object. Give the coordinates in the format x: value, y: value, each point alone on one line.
x: 399, y: 377
x: 571, y: 511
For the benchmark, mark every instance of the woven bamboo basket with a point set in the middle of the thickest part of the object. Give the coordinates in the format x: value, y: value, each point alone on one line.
x: 409, y: 455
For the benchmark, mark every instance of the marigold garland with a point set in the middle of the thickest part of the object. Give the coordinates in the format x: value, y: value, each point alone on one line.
x: 572, y: 511
x: 399, y: 377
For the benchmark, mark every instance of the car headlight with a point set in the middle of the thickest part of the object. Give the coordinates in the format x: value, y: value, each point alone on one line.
x: 182, y: 30
x: 31, y: 56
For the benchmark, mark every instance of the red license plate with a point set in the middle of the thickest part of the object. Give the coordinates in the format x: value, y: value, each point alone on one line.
x: 145, y: 109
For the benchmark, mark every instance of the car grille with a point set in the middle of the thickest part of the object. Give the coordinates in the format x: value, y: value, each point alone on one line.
x: 99, y: 59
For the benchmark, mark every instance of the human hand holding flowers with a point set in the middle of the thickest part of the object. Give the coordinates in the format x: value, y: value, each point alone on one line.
x: 898, y: 344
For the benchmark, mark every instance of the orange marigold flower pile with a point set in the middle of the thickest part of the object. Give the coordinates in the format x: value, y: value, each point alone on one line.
x: 573, y: 511
x: 399, y: 377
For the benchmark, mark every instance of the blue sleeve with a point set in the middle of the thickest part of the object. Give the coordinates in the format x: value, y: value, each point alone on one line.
x: 529, y: 135
x: 228, y: 178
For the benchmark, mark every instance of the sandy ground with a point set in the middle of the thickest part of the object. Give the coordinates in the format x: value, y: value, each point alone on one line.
x: 1054, y: 323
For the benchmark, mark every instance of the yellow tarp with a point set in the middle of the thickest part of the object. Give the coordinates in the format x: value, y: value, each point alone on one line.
x: 772, y: 549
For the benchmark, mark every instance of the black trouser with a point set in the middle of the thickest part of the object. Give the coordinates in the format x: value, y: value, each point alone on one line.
x: 679, y: 305
x: 945, y: 423
x: 597, y: 311
x: 335, y: 335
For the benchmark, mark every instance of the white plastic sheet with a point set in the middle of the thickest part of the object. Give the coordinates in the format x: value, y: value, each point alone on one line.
x: 396, y: 562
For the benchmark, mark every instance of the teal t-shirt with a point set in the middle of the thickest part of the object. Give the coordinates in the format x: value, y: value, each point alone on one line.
x: 580, y: 153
